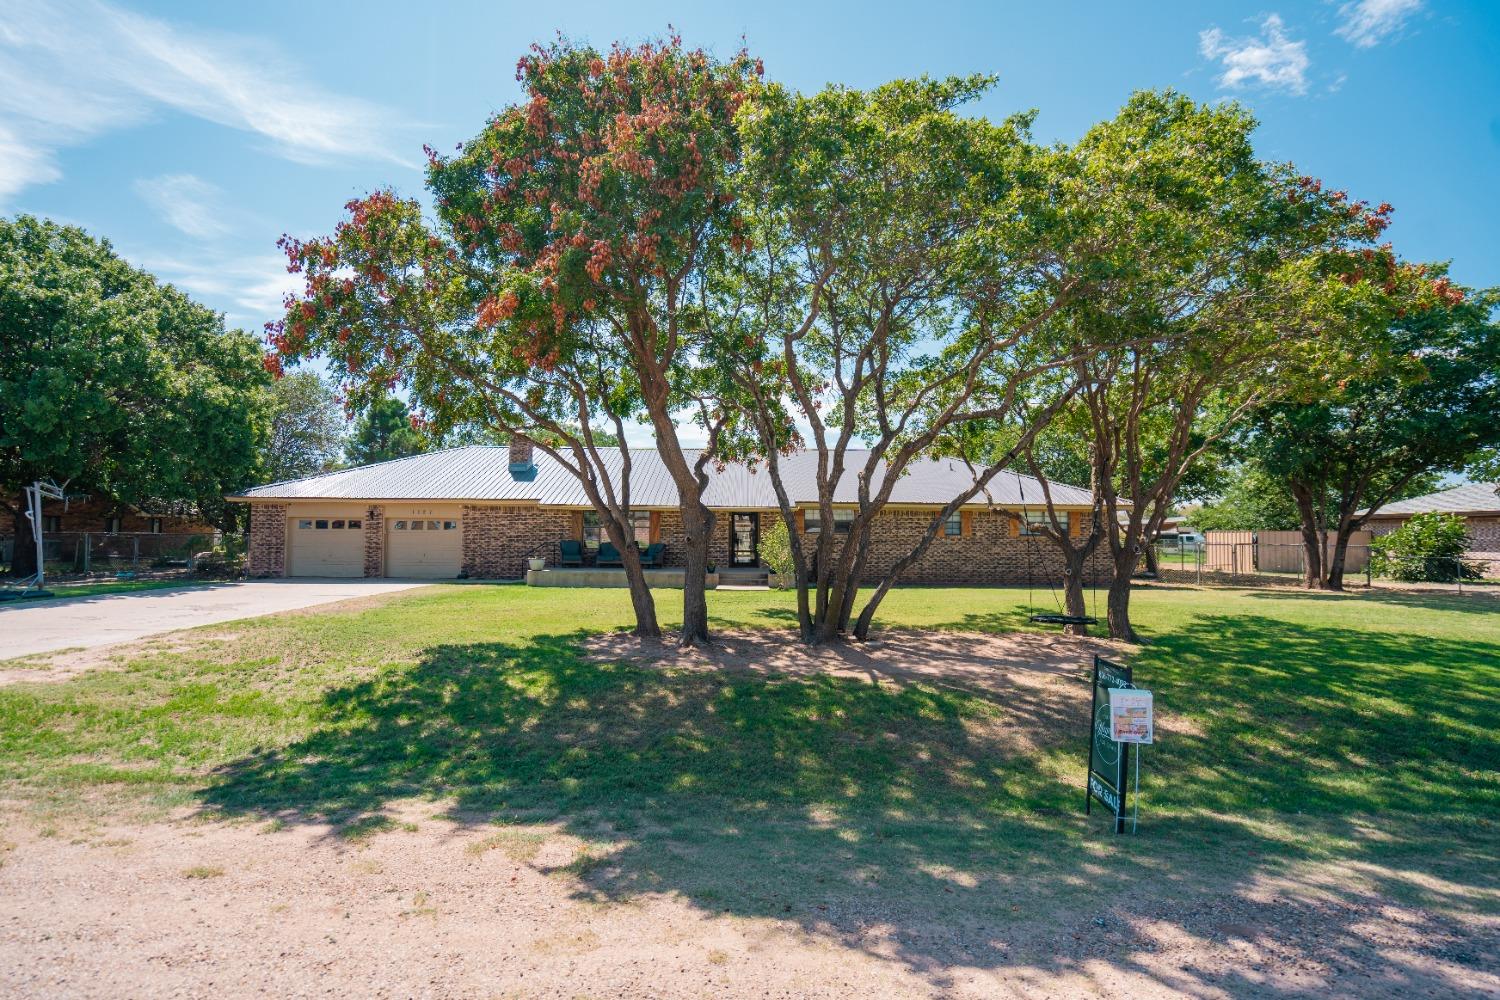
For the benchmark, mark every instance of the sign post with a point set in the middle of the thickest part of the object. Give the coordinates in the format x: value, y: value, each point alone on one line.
x: 1109, y: 759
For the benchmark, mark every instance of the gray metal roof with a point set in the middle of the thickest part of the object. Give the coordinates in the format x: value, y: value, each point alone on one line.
x: 482, y: 472
x: 1471, y: 498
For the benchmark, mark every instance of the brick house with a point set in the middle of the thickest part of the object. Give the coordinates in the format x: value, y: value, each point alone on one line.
x: 1477, y: 503
x: 90, y: 528
x: 481, y: 512
x: 102, y: 515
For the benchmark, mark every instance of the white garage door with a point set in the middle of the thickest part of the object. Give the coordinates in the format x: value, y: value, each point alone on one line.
x: 426, y: 548
x: 327, y: 546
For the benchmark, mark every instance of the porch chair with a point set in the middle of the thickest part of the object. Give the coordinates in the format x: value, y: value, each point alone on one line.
x: 651, y: 558
x: 569, y: 553
x: 608, y: 556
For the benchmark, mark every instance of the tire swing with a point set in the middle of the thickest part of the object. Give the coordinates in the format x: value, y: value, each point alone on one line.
x: 1058, y: 616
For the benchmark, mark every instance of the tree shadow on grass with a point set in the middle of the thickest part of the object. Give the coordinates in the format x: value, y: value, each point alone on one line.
x: 901, y: 819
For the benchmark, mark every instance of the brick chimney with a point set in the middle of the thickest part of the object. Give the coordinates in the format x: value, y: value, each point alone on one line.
x: 520, y: 457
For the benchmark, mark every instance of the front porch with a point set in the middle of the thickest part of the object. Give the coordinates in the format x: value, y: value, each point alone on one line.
x: 668, y: 577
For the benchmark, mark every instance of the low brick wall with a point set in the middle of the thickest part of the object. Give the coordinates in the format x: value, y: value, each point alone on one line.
x: 266, y: 555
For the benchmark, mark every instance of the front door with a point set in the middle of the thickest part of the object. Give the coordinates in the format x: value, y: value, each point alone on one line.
x: 744, y: 532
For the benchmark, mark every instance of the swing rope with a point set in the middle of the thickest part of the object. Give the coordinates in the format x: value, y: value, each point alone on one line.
x: 1060, y: 616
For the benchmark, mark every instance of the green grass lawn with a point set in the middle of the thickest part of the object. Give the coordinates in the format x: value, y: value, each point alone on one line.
x: 1303, y: 730
x: 104, y: 587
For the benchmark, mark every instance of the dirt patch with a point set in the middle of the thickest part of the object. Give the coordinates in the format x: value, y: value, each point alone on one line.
x: 438, y: 909
x: 65, y: 664
x: 971, y: 660
x: 1037, y: 678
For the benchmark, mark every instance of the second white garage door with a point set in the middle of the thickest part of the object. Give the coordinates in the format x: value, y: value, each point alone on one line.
x: 425, y: 548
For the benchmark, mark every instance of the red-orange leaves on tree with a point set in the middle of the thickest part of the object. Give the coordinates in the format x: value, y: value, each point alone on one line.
x: 551, y: 294
x: 610, y: 177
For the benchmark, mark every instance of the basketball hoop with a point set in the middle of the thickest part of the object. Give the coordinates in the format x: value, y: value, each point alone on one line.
x: 35, y: 494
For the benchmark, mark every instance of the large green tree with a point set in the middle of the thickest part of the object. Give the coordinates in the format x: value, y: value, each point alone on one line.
x: 1426, y: 401
x: 553, y: 295
x: 1223, y: 276
x: 1253, y: 500
x: 385, y: 431
x: 307, y: 428
x: 904, y: 257
x: 112, y: 383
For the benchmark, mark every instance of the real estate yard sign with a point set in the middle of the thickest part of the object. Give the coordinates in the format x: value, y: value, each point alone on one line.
x: 1109, y: 760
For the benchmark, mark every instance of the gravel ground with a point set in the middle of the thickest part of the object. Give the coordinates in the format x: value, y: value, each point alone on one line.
x: 187, y: 909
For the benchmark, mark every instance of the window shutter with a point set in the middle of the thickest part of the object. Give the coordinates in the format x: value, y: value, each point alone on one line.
x: 801, y: 521
x: 1015, y: 527
x: 966, y: 524
x: 1075, y: 524
x: 655, y: 526
x: 577, y: 525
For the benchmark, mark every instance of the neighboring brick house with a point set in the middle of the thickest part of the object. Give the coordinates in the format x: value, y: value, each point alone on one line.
x: 112, y: 530
x: 482, y: 512
x: 101, y: 515
x: 1477, y: 503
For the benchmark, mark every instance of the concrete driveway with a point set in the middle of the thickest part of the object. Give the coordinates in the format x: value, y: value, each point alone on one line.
x: 105, y: 619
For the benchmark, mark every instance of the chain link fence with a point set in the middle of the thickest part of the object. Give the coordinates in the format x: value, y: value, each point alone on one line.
x: 1245, y: 558
x: 88, y: 552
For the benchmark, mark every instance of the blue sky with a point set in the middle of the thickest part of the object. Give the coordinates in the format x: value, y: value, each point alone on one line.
x: 193, y: 135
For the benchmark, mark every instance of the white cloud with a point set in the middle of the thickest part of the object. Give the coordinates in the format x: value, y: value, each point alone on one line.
x: 249, y: 289
x: 70, y: 71
x: 187, y: 203
x: 1271, y: 60
x: 1367, y: 22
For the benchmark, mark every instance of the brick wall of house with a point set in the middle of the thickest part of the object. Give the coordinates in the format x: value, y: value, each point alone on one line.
x: 266, y: 554
x: 988, y: 554
x: 374, y: 525
x: 498, y: 540
x: 1484, y: 542
x: 674, y: 537
x: 93, y: 513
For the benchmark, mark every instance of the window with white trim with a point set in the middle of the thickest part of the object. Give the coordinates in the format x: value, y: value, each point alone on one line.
x: 954, y: 526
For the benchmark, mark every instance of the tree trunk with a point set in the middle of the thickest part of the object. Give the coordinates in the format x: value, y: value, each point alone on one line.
x: 1337, y: 559
x: 23, y: 550
x: 1312, y: 541
x: 1076, y: 562
x: 641, y: 600
x: 804, y: 612
x: 828, y: 624
x: 698, y: 525
x: 1119, y: 599
x: 1151, y: 565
